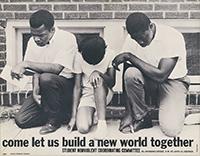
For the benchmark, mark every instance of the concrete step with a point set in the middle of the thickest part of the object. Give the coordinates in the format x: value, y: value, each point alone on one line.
x: 112, y: 112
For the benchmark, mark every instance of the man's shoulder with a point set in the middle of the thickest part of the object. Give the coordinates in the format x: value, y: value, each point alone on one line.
x: 64, y: 33
x: 110, y: 52
x: 78, y: 57
x: 31, y: 42
x: 168, y: 30
x: 64, y: 37
x: 167, y: 33
x: 129, y: 41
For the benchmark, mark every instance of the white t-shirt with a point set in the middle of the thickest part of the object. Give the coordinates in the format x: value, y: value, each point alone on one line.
x: 81, y: 66
x: 61, y: 49
x: 167, y: 43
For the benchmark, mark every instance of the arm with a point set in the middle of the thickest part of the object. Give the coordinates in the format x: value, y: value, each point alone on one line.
x: 76, y: 100
x: 159, y: 75
x: 36, y: 89
x: 76, y: 94
x: 109, y: 77
x: 20, y: 68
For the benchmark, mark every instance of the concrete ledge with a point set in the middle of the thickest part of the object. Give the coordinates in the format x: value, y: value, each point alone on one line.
x: 115, y: 109
x: 13, y: 98
x: 112, y: 112
x: 17, y: 97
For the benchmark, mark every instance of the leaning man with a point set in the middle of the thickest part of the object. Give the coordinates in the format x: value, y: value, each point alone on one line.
x: 158, y: 70
x: 49, y: 55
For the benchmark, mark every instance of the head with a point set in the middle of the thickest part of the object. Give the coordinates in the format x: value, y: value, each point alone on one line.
x: 140, y: 28
x: 42, y: 27
x: 93, y: 49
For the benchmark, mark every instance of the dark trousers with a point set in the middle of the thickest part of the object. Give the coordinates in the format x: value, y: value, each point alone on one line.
x: 56, y: 92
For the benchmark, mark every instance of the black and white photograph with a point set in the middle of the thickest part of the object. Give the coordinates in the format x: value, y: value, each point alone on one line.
x: 100, y: 77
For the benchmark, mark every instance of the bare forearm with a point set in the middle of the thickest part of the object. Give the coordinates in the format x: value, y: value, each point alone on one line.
x: 109, y: 80
x: 147, y: 69
x: 35, y: 82
x: 76, y: 100
x: 158, y: 74
x: 43, y: 67
x: 36, y: 89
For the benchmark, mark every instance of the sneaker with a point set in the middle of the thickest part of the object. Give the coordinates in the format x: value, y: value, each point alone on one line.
x: 143, y: 123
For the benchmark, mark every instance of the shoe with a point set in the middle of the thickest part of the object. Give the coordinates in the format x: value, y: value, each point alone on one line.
x: 48, y: 128
x: 51, y: 126
x: 143, y: 123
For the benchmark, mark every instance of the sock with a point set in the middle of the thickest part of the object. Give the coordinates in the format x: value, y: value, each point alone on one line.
x: 101, y: 130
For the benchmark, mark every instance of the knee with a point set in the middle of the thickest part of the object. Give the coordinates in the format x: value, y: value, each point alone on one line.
x: 19, y: 120
x: 171, y: 121
x: 132, y: 74
x: 83, y: 128
x: 170, y: 129
x: 46, y: 78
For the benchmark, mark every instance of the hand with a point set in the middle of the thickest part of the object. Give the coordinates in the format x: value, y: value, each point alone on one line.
x: 71, y: 124
x: 95, y: 79
x: 18, y: 71
x: 121, y: 58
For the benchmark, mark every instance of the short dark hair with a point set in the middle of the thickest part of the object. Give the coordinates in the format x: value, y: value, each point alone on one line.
x: 137, y: 22
x: 93, y: 49
x: 41, y: 17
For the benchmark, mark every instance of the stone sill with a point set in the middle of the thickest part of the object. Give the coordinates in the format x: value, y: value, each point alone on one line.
x: 17, y: 97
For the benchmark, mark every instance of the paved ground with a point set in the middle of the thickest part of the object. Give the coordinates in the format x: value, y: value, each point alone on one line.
x: 60, y: 142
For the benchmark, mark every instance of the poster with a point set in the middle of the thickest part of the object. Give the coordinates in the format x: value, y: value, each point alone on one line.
x: 15, y: 141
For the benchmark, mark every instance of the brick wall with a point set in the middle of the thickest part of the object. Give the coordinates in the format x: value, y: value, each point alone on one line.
x: 91, y: 9
x: 17, y: 97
